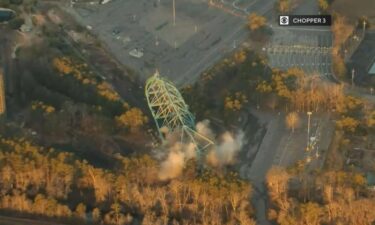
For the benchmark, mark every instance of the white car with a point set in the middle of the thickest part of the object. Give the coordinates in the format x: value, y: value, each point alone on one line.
x: 136, y: 53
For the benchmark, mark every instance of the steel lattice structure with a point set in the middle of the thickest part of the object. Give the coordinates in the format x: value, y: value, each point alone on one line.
x: 171, y: 113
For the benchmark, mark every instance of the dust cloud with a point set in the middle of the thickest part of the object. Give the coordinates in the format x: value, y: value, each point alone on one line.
x: 224, y: 152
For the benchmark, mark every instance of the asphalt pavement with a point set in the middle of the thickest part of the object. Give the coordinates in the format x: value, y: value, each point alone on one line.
x: 307, y: 48
x: 204, y: 32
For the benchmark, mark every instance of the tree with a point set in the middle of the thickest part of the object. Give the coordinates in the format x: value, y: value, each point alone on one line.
x: 341, y: 30
x: 264, y: 87
x: 81, y: 211
x: 284, y: 6
x: 26, y: 171
x: 359, y: 181
x: 370, y: 119
x: 100, y: 181
x: 339, y: 67
x: 132, y: 119
x: 244, y: 218
x: 116, y: 217
x: 323, y: 5
x: 116, y: 209
x: 256, y: 21
x: 234, y: 103
x: 348, y: 124
x: 277, y: 180
x: 240, y: 56
x: 292, y: 120
x: 96, y: 215
x: 311, y: 213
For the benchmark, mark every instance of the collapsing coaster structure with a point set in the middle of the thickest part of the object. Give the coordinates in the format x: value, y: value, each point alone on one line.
x: 171, y: 113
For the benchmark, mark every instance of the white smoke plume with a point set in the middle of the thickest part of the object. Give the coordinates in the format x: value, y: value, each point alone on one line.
x: 203, y: 128
x: 225, y: 152
x: 172, y: 166
x: 222, y: 153
x: 226, y: 146
x: 178, y: 154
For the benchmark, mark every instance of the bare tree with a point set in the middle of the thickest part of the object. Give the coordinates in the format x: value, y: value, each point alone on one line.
x: 292, y: 120
x: 277, y: 179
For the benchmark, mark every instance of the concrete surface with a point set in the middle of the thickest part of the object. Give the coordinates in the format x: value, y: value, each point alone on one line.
x: 204, y: 32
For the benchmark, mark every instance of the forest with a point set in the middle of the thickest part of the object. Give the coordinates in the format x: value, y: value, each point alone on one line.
x: 326, y: 197
x: 45, y: 182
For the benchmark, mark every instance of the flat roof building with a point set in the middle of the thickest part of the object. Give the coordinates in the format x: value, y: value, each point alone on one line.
x: 372, y: 69
x: 363, y: 60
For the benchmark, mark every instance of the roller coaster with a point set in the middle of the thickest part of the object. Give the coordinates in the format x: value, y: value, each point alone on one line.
x: 171, y: 114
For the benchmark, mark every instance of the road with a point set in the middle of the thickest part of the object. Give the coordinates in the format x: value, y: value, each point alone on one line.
x: 291, y: 148
x: 263, y: 161
x: 5, y: 220
x: 364, y: 93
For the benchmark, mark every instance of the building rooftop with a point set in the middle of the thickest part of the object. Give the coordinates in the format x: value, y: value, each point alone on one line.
x: 363, y: 59
x: 6, y: 10
x: 370, y: 177
x: 6, y: 14
x: 372, y: 69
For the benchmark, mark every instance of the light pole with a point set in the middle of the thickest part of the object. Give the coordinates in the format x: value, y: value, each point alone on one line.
x: 364, y: 27
x: 308, y: 130
x: 174, y: 13
x: 353, y: 75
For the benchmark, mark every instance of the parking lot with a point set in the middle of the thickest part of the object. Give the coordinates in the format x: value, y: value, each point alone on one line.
x: 308, y: 49
x: 321, y: 133
x: 245, y: 7
x: 203, y: 32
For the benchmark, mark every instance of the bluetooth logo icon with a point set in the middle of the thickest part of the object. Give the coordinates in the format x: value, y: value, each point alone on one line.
x: 284, y: 20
